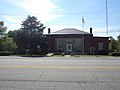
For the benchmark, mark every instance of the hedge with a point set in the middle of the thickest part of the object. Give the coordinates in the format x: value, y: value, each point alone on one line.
x: 5, y: 53
x: 115, y: 53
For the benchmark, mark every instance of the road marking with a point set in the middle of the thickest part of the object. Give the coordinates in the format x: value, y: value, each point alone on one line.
x: 60, y: 67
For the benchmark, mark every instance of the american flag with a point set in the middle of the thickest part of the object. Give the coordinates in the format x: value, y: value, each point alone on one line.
x: 83, y: 20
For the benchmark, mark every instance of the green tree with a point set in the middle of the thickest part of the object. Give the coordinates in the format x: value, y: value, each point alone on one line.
x: 2, y: 28
x: 7, y: 44
x: 113, y: 45
x: 1, y: 44
x: 13, y: 34
x: 31, y: 34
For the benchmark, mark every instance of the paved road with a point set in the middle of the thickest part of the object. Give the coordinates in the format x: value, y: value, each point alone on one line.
x: 60, y: 73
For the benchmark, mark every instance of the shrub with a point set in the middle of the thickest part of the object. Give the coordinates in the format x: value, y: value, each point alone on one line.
x: 5, y: 53
x: 115, y: 53
x: 102, y: 52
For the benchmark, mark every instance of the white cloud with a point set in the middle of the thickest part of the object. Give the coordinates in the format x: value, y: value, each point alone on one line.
x: 11, y: 22
x: 12, y: 19
x: 43, y: 9
x: 14, y: 26
x: 38, y: 6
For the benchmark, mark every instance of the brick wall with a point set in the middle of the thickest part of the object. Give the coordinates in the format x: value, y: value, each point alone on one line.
x: 89, y: 42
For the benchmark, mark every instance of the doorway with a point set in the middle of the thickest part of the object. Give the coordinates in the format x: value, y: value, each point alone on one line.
x: 69, y: 47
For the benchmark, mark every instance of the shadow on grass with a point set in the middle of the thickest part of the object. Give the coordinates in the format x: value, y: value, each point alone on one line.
x: 33, y: 56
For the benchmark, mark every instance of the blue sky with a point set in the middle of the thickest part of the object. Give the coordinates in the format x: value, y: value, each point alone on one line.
x: 59, y: 14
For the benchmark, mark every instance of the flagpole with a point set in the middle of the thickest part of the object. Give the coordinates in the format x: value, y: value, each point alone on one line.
x: 82, y: 25
x: 83, y: 33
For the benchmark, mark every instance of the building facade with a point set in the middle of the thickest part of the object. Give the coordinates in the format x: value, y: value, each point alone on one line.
x: 71, y: 40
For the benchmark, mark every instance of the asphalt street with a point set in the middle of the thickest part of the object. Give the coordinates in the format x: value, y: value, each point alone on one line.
x: 60, y: 73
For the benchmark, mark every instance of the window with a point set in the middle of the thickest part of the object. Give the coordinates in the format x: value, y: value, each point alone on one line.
x: 60, y: 44
x: 100, y: 46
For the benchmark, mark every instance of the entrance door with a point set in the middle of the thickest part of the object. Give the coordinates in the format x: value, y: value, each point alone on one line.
x: 69, y: 47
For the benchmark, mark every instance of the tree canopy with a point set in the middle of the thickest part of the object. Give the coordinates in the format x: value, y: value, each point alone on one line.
x: 32, y: 26
x: 30, y: 35
x: 7, y: 44
x: 13, y: 34
x: 114, y: 45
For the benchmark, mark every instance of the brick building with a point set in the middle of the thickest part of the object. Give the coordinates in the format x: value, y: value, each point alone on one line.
x: 72, y: 40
